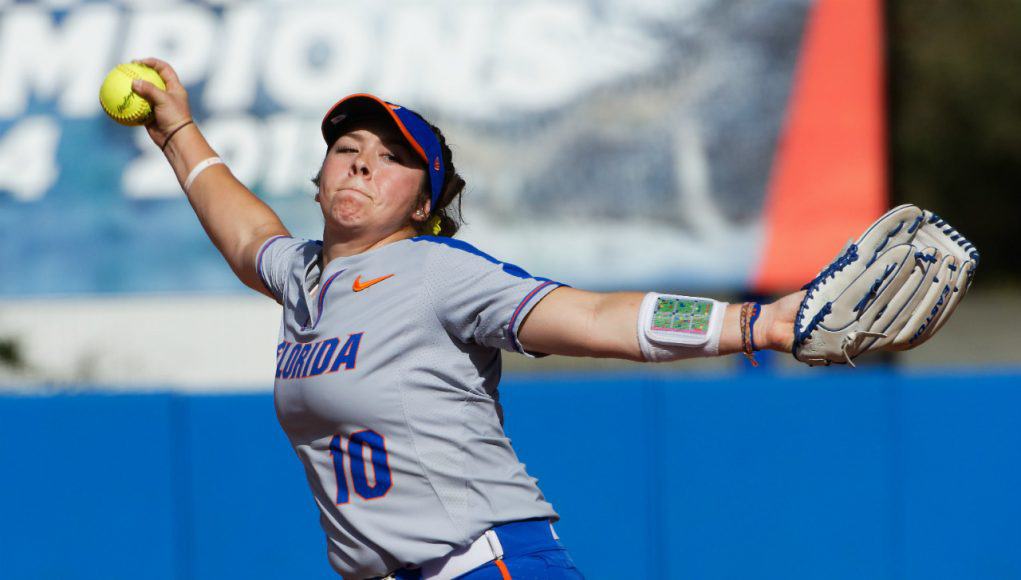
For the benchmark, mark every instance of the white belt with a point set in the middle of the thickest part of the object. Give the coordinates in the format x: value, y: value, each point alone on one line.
x: 483, y: 550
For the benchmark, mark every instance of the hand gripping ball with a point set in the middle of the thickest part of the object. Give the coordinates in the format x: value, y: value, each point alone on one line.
x: 120, y: 102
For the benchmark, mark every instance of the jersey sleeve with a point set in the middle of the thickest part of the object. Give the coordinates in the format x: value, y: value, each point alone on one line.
x: 275, y: 261
x: 480, y: 299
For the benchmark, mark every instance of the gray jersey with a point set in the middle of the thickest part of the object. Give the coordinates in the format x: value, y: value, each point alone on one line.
x: 386, y: 386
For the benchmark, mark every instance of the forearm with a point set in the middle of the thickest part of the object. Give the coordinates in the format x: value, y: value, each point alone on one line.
x: 614, y: 331
x: 577, y: 323
x: 616, y: 318
x: 231, y: 215
x: 235, y: 220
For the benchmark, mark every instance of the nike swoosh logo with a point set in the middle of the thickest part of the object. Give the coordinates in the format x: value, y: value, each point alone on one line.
x: 358, y: 285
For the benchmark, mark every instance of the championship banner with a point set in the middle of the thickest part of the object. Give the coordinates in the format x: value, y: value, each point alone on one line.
x: 607, y: 144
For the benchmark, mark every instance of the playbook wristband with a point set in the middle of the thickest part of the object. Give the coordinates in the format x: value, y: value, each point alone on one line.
x: 199, y: 168
x: 674, y: 327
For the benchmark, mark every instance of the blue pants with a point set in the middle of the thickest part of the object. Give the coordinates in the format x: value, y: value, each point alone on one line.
x: 530, y: 552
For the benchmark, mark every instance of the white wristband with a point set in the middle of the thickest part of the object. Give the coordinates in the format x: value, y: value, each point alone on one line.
x: 199, y: 168
x: 672, y: 327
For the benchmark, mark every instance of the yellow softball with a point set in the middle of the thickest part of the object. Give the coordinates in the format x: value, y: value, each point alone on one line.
x: 120, y: 102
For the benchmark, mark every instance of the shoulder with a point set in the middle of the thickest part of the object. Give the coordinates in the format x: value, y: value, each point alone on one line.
x: 459, y: 253
x: 278, y: 249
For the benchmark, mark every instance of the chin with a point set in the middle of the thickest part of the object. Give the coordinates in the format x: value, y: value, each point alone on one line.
x: 347, y: 212
x: 346, y: 222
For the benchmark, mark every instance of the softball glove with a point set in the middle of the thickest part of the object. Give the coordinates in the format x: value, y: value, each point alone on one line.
x: 892, y: 289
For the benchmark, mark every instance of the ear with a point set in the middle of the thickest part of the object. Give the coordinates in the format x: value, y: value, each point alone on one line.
x: 422, y: 213
x: 317, y: 197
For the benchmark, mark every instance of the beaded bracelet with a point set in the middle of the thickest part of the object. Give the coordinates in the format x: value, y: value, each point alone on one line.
x: 749, y: 314
x: 756, y: 311
x: 746, y: 342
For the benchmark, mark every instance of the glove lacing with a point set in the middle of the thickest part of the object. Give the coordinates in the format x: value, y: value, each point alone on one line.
x: 852, y: 339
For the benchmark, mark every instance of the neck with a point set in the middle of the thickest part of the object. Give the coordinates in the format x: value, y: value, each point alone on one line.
x: 337, y: 245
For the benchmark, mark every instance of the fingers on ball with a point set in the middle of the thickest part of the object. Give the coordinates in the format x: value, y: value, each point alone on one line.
x: 164, y: 69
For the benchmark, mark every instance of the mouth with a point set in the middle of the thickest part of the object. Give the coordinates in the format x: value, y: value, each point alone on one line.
x: 356, y: 190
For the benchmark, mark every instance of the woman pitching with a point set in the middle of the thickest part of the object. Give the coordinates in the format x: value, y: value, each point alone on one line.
x: 388, y: 359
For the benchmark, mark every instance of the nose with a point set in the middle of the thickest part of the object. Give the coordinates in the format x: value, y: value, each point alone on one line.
x: 360, y: 166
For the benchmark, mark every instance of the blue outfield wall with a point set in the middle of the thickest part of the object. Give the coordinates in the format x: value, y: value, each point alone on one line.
x: 831, y: 474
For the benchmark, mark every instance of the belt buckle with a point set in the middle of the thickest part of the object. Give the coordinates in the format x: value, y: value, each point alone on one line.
x: 494, y: 544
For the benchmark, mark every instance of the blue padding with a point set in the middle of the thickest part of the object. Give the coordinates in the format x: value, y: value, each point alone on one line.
x: 589, y: 442
x: 960, y: 474
x: 770, y: 468
x: 831, y: 473
x: 251, y: 513
x: 90, y: 488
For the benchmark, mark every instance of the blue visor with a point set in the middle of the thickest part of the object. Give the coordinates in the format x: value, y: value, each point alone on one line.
x: 414, y: 128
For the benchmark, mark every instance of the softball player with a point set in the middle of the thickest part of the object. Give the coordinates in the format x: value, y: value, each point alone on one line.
x: 388, y: 359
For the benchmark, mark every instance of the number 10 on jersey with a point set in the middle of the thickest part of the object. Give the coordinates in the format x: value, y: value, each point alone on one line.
x: 356, y: 447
